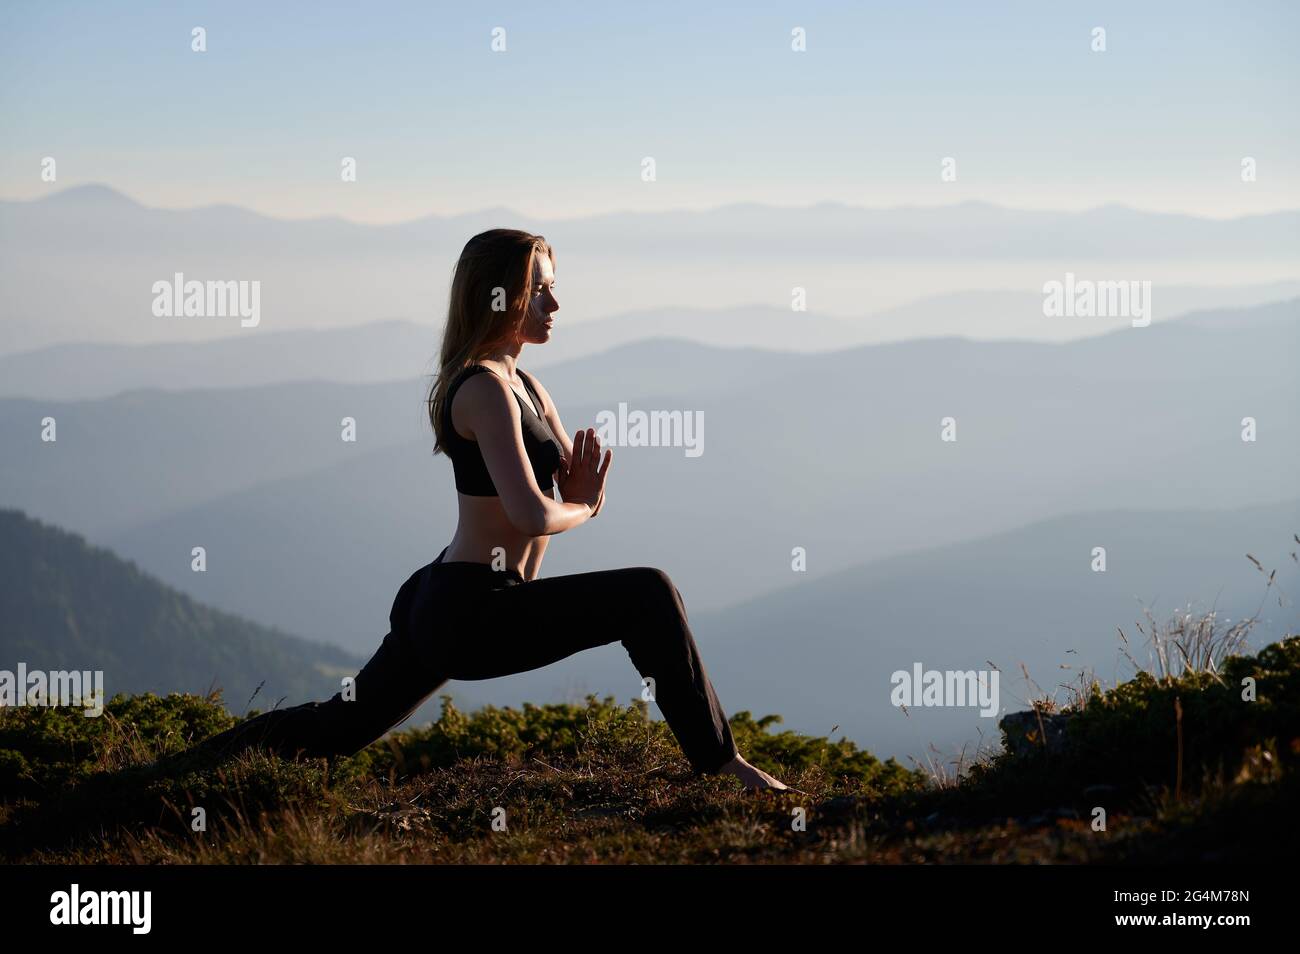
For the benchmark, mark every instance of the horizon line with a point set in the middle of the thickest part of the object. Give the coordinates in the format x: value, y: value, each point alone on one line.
x: 98, y: 185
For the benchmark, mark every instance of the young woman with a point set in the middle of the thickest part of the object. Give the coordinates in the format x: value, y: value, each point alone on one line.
x: 478, y: 611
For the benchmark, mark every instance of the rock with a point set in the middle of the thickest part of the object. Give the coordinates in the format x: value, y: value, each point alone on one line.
x: 1023, y: 732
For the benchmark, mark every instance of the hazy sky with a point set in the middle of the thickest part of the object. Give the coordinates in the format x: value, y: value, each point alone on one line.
x: 558, y: 124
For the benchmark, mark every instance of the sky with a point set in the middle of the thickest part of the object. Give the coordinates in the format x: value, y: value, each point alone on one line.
x: 558, y: 124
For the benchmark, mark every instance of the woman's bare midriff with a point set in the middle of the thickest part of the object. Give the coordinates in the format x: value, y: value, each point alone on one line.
x: 484, y: 534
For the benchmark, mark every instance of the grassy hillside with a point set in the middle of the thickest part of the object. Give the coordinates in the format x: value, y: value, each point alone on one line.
x: 1184, y: 768
x: 68, y: 605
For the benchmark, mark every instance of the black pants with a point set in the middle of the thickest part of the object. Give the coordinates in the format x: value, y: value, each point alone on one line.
x: 458, y: 620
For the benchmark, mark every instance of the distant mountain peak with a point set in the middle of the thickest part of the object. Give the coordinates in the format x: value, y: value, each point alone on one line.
x: 92, y: 193
x: 1118, y: 208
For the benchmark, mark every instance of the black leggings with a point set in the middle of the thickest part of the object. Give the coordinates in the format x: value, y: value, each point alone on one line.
x: 460, y: 620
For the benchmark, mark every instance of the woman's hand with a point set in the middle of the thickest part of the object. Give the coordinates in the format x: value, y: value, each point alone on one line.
x: 582, y: 478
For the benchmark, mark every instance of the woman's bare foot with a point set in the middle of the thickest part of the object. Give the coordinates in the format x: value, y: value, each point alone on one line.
x: 754, y: 779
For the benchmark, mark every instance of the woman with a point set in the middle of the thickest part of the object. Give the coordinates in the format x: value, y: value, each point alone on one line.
x: 478, y: 611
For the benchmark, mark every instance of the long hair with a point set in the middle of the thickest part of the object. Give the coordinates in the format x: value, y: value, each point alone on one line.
x: 490, y: 291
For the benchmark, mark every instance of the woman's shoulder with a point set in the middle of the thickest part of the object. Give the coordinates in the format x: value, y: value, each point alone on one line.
x: 477, y: 393
x: 457, y: 379
x: 474, y: 396
x: 468, y: 371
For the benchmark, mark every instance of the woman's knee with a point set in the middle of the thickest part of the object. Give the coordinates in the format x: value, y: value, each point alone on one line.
x: 656, y: 586
x: 651, y: 578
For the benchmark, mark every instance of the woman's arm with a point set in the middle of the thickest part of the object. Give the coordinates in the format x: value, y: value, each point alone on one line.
x: 552, y: 416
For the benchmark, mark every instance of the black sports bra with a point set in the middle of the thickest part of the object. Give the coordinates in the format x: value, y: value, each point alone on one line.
x: 467, y: 462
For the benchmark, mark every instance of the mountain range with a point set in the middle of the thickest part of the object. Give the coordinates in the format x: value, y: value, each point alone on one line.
x: 79, y: 266
x: 840, y: 453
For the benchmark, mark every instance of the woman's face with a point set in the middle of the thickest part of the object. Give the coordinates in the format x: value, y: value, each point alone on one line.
x: 541, y: 302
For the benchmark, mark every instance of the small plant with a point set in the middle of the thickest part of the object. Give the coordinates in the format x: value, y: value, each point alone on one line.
x: 1191, y: 642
